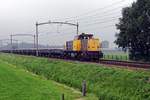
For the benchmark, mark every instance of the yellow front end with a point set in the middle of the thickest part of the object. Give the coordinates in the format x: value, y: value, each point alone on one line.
x: 93, y: 45
x: 76, y: 45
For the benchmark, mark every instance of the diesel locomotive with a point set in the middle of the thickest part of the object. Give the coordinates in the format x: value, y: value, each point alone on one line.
x: 83, y: 47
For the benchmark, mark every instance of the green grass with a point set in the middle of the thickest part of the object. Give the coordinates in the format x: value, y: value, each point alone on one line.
x: 106, y: 83
x: 116, y: 56
x: 17, y: 84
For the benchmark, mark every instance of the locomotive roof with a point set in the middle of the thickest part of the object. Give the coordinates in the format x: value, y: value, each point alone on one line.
x: 85, y: 35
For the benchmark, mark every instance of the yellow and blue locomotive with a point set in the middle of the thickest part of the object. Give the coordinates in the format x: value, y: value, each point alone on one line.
x: 84, y: 47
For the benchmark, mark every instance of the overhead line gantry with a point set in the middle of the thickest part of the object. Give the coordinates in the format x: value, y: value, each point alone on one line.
x: 31, y: 35
x: 50, y: 22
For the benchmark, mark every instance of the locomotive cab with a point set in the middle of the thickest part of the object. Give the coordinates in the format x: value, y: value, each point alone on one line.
x: 89, y: 43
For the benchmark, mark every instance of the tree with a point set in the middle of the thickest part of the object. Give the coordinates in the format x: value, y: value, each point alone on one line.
x: 134, y: 30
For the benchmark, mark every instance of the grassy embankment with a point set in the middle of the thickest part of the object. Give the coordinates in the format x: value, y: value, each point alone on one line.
x: 106, y: 83
x: 18, y: 84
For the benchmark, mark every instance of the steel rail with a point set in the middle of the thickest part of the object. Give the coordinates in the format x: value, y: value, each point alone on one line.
x: 126, y: 63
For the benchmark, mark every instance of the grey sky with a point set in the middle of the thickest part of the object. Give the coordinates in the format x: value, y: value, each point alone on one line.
x: 19, y: 16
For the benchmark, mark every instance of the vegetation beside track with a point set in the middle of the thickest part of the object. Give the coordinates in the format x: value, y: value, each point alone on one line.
x: 106, y: 83
x: 17, y: 84
x: 116, y: 56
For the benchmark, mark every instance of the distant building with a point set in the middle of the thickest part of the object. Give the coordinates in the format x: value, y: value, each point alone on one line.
x: 105, y: 44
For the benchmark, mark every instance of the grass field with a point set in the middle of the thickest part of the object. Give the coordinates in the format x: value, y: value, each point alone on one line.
x: 116, y: 56
x: 17, y: 84
x: 106, y: 83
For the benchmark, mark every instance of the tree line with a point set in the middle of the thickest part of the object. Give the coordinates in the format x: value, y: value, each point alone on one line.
x: 134, y: 30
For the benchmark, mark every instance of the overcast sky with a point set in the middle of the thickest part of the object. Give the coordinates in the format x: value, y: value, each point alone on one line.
x: 94, y: 16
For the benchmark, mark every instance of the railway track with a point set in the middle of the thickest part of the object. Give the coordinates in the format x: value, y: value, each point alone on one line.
x: 132, y: 64
x: 126, y: 63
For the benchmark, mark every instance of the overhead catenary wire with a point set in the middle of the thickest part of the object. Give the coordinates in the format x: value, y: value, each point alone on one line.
x: 84, y: 29
x: 93, y: 11
x: 100, y: 19
x: 104, y: 21
x: 84, y: 26
x: 100, y: 27
x: 98, y: 22
x: 96, y: 15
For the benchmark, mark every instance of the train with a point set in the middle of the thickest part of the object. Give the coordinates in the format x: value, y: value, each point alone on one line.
x: 82, y: 47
